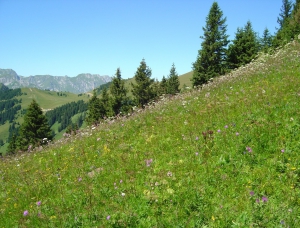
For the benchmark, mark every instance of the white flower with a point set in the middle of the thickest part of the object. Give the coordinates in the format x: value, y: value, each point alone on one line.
x: 122, y: 194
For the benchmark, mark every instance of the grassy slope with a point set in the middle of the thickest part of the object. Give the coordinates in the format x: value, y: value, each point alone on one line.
x: 225, y: 156
x: 46, y: 99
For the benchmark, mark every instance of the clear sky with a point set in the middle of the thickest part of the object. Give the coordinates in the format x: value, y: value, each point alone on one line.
x: 69, y: 37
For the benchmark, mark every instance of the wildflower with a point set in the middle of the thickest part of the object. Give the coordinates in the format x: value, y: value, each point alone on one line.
x: 248, y: 149
x: 170, y: 191
x: 38, y: 203
x: 257, y: 200
x: 264, y: 199
x: 219, y: 130
x: 108, y: 217
x: 121, y: 181
x: 169, y: 174
x: 98, y: 139
x: 290, y: 210
x: 197, y: 153
x: 237, y: 134
x: 282, y: 151
x: 148, y: 162
x: 226, y: 126
x: 251, y: 193
x: 79, y: 179
x: 197, y: 138
x: 122, y: 194
x: 25, y: 213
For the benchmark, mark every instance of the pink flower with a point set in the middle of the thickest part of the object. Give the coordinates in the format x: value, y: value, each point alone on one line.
x: 25, y: 213
x: 39, y: 203
x: 108, y: 217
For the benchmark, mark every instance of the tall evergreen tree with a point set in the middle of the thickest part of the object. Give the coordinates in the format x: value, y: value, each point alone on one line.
x: 142, y: 90
x: 266, y: 40
x: 285, y: 13
x: 244, y: 48
x: 211, y: 59
x: 118, y: 92
x: 105, y: 104
x: 173, y: 81
x: 12, y: 146
x: 94, y: 110
x: 34, y: 128
x: 290, y: 25
x: 163, y: 86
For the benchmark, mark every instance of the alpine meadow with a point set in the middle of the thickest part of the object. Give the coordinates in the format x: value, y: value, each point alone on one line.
x: 216, y: 147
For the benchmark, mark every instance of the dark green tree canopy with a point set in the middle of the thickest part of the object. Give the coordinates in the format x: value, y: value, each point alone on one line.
x: 211, y: 60
x: 142, y: 90
x: 285, y: 13
x: 34, y: 128
x: 94, y: 110
x: 266, y: 40
x: 118, y: 92
x: 244, y: 48
x: 173, y: 81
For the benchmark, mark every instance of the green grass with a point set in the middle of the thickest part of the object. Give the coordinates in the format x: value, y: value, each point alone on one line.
x: 224, y: 156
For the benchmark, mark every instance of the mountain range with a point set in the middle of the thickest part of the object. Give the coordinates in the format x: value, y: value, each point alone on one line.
x: 80, y: 84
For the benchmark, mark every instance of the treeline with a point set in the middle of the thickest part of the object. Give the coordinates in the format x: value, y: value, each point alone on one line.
x: 218, y: 55
x: 144, y: 89
x: 7, y: 94
x: 64, y: 113
x: 9, y: 115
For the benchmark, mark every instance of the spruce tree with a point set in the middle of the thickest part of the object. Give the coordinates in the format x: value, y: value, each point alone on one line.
x: 244, y: 48
x: 285, y: 13
x: 105, y: 104
x: 290, y: 24
x: 118, y: 92
x: 163, y: 86
x: 34, y: 128
x: 12, y: 146
x: 94, y: 110
x: 266, y: 40
x: 142, y: 90
x: 173, y: 81
x: 211, y: 59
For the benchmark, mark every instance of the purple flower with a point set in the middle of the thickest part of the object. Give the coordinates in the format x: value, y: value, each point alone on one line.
x: 264, y: 199
x: 25, y: 213
x: 219, y: 131
x: 148, y: 162
x: 121, y: 181
x: 38, y: 203
x: 249, y: 149
x: 226, y: 126
x: 251, y: 193
x: 282, y: 151
x: 237, y: 134
x: 197, y: 138
x: 108, y: 217
x: 79, y: 179
x: 257, y: 200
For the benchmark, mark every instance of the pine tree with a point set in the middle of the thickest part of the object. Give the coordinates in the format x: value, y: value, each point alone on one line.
x: 211, y: 59
x: 163, y: 86
x: 34, y: 128
x: 266, y: 40
x: 94, y: 110
x: 12, y: 146
x: 244, y: 48
x: 105, y: 104
x: 285, y: 13
x: 173, y: 81
x: 142, y: 90
x: 118, y: 92
x: 290, y: 23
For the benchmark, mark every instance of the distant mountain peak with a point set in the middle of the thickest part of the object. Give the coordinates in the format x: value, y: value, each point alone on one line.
x: 82, y: 83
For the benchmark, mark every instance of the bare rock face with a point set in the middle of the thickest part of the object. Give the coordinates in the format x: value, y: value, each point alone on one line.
x: 80, y: 84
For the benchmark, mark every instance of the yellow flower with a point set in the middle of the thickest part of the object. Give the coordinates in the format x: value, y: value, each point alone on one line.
x: 213, y: 218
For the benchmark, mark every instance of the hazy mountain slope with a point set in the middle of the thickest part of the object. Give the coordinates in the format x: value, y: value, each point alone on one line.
x: 79, y: 84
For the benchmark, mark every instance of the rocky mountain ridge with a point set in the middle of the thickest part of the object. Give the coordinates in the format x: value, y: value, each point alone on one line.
x: 80, y: 84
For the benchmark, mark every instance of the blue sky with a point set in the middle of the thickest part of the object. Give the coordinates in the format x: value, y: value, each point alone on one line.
x: 69, y: 37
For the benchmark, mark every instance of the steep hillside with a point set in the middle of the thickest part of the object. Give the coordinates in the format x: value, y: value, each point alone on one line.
x: 224, y: 156
x: 80, y: 84
x: 48, y: 100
